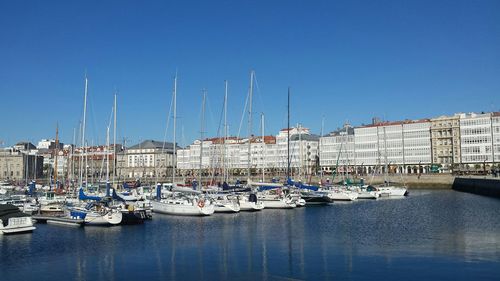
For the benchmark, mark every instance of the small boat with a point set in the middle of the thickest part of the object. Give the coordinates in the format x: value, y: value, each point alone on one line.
x: 183, y: 203
x: 250, y: 203
x: 316, y: 197
x: 387, y: 190
x: 12, y: 220
x: 24, y: 203
x: 276, y: 198
x: 52, y: 209
x: 132, y: 214
x: 225, y: 203
x: 341, y: 194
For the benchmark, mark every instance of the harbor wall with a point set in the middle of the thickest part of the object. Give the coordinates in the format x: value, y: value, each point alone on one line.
x: 480, y: 186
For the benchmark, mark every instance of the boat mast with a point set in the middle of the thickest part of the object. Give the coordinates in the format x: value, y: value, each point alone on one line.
x: 55, y: 155
x: 263, y: 147
x: 250, y: 125
x: 201, y: 135
x: 114, y: 142
x: 385, y: 157
x: 224, y: 155
x: 174, y: 157
x: 299, y: 126
x: 83, y: 131
x: 288, y: 137
x: 107, y: 155
x: 319, y: 149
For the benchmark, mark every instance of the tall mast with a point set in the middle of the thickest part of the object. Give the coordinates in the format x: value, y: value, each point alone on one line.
x: 263, y: 147
x: 114, y: 142
x: 83, y: 131
x: 385, y: 156
x: 174, y: 157
x: 288, y: 137
x: 55, y: 154
x: 224, y: 155
x: 107, y: 154
x: 201, y: 135
x: 250, y: 125
x: 299, y: 126
x: 319, y: 149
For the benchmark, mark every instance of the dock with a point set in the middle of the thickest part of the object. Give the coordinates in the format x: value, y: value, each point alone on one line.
x: 58, y: 220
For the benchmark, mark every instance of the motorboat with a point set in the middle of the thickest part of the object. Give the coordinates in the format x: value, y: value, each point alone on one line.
x: 12, y: 220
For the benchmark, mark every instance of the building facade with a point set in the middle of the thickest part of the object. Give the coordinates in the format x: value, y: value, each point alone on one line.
x: 445, y: 136
x: 19, y: 166
x: 148, y: 159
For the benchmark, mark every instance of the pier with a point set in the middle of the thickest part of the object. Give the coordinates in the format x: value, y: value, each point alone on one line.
x: 481, y: 186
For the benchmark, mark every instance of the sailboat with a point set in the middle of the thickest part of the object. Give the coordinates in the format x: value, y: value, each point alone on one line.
x: 94, y: 210
x: 387, y: 189
x: 278, y: 196
x: 181, y: 201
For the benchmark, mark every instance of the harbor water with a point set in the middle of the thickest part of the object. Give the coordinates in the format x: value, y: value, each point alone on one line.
x: 440, y: 235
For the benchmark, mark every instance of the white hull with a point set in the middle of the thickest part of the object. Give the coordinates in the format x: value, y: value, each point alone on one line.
x: 17, y: 225
x: 277, y: 204
x: 227, y: 208
x: 110, y: 218
x: 342, y: 196
x: 246, y: 206
x: 181, y: 209
x: 368, y: 195
x: 392, y: 191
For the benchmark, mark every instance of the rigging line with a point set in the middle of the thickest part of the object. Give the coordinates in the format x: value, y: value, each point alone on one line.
x: 243, y: 114
x: 165, y: 134
x: 258, y: 92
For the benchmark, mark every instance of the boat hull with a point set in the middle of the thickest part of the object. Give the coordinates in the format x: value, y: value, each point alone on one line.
x: 182, y: 210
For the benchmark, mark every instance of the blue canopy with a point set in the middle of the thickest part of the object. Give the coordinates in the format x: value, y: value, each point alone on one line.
x: 82, y: 196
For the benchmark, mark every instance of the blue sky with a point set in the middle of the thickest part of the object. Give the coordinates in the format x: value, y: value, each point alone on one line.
x: 344, y: 60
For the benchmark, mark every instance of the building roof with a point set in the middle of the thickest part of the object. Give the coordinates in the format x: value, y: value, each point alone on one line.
x: 152, y: 144
x: 392, y: 123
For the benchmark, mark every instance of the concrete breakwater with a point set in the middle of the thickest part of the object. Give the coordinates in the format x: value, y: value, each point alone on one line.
x: 480, y: 186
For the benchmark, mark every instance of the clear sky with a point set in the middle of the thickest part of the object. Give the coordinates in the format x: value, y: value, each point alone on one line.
x: 344, y: 60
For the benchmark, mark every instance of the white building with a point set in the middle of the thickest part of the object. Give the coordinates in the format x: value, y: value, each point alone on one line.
x: 495, y: 128
x: 476, y: 137
x: 405, y: 146
x: 270, y: 154
x: 337, y: 148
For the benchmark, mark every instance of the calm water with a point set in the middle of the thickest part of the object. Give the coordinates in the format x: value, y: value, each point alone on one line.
x: 443, y: 235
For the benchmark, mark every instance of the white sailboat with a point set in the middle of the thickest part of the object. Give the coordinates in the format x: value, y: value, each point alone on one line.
x: 183, y: 201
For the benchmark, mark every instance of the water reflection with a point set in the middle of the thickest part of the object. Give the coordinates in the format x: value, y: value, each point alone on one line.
x: 397, y: 238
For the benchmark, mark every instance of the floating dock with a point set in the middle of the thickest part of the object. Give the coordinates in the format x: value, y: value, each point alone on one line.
x: 58, y: 220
